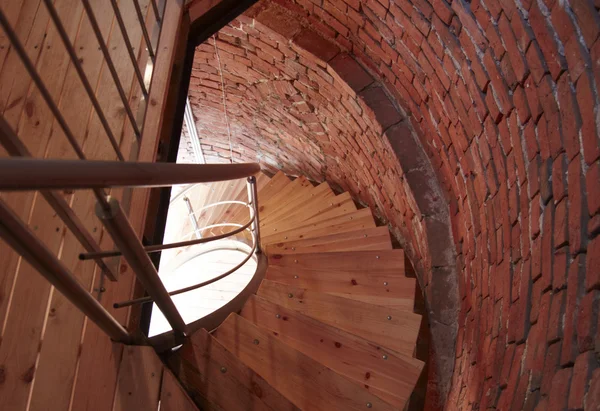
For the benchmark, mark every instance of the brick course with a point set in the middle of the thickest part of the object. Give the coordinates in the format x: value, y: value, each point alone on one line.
x: 484, y: 111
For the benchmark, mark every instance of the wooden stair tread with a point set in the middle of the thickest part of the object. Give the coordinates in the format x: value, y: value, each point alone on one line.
x: 394, y: 329
x: 312, y: 197
x: 380, y: 260
x: 199, y: 366
x: 305, y: 382
x: 381, y: 284
x: 355, y: 220
x: 384, y: 372
x: 377, y: 238
x: 323, y: 210
x: 297, y: 189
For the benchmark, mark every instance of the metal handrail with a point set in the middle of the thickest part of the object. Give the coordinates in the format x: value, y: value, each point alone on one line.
x: 143, y: 300
x: 180, y: 244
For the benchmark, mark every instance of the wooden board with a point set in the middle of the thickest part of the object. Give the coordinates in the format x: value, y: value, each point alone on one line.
x: 366, y: 261
x: 353, y: 221
x: 172, y: 395
x: 345, y: 353
x: 323, y: 210
x: 398, y: 333
x: 377, y: 238
x: 316, y: 196
x: 297, y: 189
x: 218, y: 380
x: 305, y: 382
x: 384, y: 284
x: 140, y: 375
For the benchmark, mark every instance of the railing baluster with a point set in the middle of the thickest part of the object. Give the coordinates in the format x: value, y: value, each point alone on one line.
x: 138, y: 11
x: 19, y: 237
x: 156, y: 12
x: 132, y: 57
x: 84, y: 80
x: 13, y: 145
x: 111, y: 65
x: 253, y: 197
x: 124, y: 236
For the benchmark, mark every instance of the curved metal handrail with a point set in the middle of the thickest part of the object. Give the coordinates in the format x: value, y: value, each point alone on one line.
x: 148, y: 299
x: 168, y: 246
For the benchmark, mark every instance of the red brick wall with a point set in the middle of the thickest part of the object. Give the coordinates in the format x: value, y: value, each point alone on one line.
x: 503, y: 98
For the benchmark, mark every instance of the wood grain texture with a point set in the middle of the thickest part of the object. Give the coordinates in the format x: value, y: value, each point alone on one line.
x: 172, y: 395
x: 398, y: 333
x: 305, y: 382
x: 377, y: 238
x: 345, y: 353
x: 354, y: 220
x: 218, y: 380
x: 140, y: 374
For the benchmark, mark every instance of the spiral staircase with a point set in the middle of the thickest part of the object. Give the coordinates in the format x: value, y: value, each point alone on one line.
x: 331, y: 326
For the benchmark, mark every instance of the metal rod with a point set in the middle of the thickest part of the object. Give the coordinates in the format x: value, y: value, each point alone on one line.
x: 23, y: 241
x: 84, y: 80
x: 22, y: 174
x: 134, y: 62
x: 191, y: 126
x: 125, y: 238
x: 156, y: 12
x: 140, y: 16
x: 192, y: 287
x: 110, y: 65
x: 192, y: 217
x: 253, y: 198
x: 168, y: 246
x: 18, y: 47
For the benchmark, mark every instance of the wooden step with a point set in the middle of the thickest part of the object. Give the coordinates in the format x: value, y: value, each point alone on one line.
x: 389, y: 290
x: 391, y: 328
x: 381, y: 260
x: 356, y: 220
x: 324, y: 210
x: 296, y: 190
x: 388, y: 375
x: 315, y: 196
x: 377, y: 238
x: 305, y: 382
x: 218, y: 380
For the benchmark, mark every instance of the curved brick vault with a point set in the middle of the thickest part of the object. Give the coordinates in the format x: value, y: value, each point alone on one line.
x: 472, y: 129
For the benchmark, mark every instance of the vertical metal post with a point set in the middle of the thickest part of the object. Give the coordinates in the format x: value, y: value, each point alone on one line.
x: 140, y: 16
x: 23, y: 241
x: 111, y: 65
x: 156, y: 12
x: 193, y: 218
x: 132, y: 57
x: 253, y: 197
x: 118, y: 226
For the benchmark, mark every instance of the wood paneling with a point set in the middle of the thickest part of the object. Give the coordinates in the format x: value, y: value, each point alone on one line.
x: 49, y: 353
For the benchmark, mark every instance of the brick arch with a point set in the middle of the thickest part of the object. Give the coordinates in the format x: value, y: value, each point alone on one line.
x: 499, y: 98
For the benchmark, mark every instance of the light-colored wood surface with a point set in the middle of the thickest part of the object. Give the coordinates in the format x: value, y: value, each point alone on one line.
x: 379, y: 260
x: 377, y: 238
x: 221, y: 381
x: 398, y: 333
x: 307, y: 383
x: 352, y: 221
x: 345, y: 353
x: 313, y: 196
x: 140, y: 374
